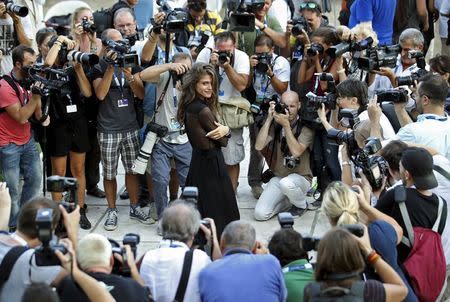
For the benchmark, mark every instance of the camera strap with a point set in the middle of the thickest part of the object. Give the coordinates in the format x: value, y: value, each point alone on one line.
x: 8, y: 262
x: 162, y: 96
x: 13, y: 85
x: 120, y: 83
x: 184, y: 278
x: 441, y: 171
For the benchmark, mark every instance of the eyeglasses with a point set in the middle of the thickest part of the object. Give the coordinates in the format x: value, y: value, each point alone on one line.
x: 310, y: 5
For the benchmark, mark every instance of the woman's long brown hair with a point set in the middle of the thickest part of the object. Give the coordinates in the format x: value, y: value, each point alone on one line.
x: 189, y: 94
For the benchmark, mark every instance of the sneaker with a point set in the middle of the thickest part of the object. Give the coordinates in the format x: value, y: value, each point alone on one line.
x: 257, y: 191
x: 85, y: 224
x: 111, y: 220
x: 138, y: 214
x: 296, y: 212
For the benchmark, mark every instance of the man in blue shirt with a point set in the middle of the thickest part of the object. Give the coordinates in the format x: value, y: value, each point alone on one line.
x: 242, y: 274
x: 378, y: 13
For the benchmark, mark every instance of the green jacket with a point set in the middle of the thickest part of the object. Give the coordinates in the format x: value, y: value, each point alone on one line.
x: 246, y: 40
x: 297, y: 275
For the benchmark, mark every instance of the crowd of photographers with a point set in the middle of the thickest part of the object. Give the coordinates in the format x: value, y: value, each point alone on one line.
x: 364, y: 115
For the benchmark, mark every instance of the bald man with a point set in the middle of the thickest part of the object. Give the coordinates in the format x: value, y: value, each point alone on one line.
x: 286, y: 145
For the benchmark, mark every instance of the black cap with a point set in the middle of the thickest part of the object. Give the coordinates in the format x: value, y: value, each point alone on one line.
x: 419, y: 163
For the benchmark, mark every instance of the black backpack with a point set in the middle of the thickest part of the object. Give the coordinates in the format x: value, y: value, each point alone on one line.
x: 316, y: 293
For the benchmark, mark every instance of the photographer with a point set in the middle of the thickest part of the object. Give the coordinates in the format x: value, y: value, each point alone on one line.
x: 243, y: 255
x: 95, y: 257
x: 12, y: 34
x: 233, y: 68
x: 201, y: 27
x: 83, y: 31
x: 432, y: 127
x: 269, y: 76
x: 161, y: 269
x: 68, y: 131
x: 287, y: 246
x: 175, y: 144
x: 340, y: 260
x: 264, y: 24
x: 286, y: 145
x: 18, y: 150
x: 352, y: 95
x: 344, y: 206
x: 125, y: 22
x: 115, y: 88
x: 410, y: 39
x: 24, y: 268
x: 441, y: 65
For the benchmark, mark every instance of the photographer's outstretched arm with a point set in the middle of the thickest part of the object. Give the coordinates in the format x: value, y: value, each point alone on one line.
x: 279, y: 86
x: 402, y: 115
x: 346, y: 168
x: 101, y: 85
x: 321, y: 112
x: 20, y: 31
x: 82, y: 80
x: 149, y: 47
x: 374, y: 112
x: 295, y: 147
x: 238, y: 80
x: 279, y: 39
x: 53, y: 52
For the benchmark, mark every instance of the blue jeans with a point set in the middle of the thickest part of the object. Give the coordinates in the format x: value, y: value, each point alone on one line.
x: 161, y: 155
x: 16, y: 161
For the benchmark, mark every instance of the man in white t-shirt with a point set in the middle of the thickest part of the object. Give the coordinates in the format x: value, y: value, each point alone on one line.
x: 175, y: 144
x: 269, y: 78
x: 233, y: 71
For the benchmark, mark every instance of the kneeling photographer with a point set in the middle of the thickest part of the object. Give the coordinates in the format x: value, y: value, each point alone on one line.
x: 285, y: 143
x: 95, y: 256
x: 28, y: 255
x: 68, y: 130
x: 174, y: 142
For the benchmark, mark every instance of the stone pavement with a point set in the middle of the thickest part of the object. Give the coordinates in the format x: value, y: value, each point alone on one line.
x: 306, y: 224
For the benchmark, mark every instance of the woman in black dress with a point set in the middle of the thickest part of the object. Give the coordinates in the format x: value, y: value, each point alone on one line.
x: 197, y: 110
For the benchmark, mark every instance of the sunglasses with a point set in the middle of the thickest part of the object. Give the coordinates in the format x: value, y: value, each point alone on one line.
x: 310, y: 5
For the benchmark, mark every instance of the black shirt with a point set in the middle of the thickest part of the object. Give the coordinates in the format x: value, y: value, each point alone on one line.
x: 423, y: 211
x: 121, y: 288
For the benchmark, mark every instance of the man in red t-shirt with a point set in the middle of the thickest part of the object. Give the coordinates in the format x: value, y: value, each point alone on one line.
x: 18, y: 151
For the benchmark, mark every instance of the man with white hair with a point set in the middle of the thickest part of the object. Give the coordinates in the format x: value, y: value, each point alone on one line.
x: 95, y: 257
x: 163, y: 268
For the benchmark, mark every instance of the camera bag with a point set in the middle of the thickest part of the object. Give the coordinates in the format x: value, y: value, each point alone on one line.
x: 184, y: 278
x: 8, y: 262
x: 426, y: 253
x: 235, y: 113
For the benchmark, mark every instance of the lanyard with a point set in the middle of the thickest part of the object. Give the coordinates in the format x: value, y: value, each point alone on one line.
x: 440, y: 119
x: 175, y: 98
x: 121, y: 83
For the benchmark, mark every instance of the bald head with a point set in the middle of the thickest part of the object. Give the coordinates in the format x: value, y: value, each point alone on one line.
x: 111, y: 34
x: 238, y: 234
x: 291, y: 99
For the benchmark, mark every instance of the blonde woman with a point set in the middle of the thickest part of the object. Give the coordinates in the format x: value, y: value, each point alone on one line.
x: 343, y: 205
x: 86, y: 40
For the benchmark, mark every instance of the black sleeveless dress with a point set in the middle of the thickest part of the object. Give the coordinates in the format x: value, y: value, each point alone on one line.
x: 207, y: 171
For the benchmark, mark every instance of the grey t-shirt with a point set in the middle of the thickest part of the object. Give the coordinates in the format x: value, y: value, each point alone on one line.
x: 22, y: 275
x: 116, y: 113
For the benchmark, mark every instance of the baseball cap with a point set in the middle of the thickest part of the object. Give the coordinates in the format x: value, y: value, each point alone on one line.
x: 419, y: 163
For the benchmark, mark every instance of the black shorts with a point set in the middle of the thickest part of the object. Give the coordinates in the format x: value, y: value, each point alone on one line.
x: 71, y: 135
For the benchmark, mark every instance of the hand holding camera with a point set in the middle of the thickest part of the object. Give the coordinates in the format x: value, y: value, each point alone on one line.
x: 322, y: 113
x: 282, y: 119
x: 374, y: 110
x: 178, y: 68
x: 70, y: 44
x: 69, y: 259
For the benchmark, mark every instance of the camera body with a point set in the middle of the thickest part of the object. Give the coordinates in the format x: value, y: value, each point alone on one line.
x: 261, y: 105
x: 190, y: 194
x: 411, y: 79
x: 125, y: 57
x: 54, y: 81
x: 299, y: 24
x: 315, y: 49
x: 395, y: 96
x: 88, y: 26
x: 224, y: 56
x: 19, y: 10
x: 123, y: 269
x: 153, y: 133
x: 376, y: 57
x: 351, y: 115
x: 291, y: 162
x: 264, y: 62
x: 286, y: 220
x: 175, y: 21
x: 200, y: 239
x: 45, y: 255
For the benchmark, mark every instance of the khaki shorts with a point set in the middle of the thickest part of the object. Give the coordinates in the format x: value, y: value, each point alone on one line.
x: 234, y: 152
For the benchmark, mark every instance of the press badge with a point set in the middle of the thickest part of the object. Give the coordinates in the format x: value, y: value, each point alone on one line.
x: 122, y: 103
x: 174, y: 125
x: 71, y: 108
x: 221, y: 93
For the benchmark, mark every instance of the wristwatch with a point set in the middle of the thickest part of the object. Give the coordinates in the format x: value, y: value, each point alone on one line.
x: 264, y: 27
x: 131, y: 80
